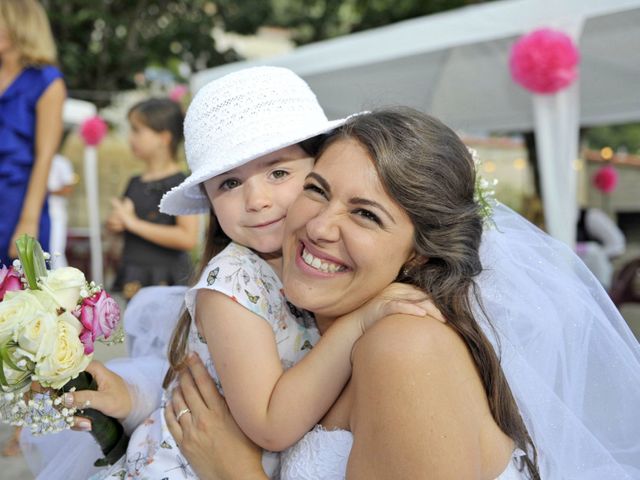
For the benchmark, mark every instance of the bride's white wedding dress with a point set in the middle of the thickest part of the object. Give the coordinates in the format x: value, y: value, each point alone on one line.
x: 323, y: 454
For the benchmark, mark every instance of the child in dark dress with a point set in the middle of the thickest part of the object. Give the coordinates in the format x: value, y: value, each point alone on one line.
x: 156, y: 245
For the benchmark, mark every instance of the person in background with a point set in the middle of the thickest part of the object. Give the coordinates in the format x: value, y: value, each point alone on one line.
x: 61, y: 181
x: 156, y: 245
x: 599, y: 240
x: 32, y: 93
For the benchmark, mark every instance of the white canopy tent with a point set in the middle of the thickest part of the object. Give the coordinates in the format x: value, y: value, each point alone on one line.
x: 454, y: 65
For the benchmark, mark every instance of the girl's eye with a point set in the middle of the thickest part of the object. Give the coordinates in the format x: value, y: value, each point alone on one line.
x: 369, y: 215
x: 229, y: 184
x: 279, y: 174
x: 313, y: 188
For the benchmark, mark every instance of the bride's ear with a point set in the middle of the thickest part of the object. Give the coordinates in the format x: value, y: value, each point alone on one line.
x: 415, y: 261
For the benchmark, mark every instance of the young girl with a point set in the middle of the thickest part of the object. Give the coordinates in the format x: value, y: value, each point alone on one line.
x: 243, y: 143
x: 156, y: 245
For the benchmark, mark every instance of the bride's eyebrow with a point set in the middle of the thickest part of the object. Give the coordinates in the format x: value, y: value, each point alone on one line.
x: 321, y: 180
x: 354, y: 200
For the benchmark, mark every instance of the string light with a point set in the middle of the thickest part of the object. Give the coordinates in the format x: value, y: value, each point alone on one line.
x: 606, y: 153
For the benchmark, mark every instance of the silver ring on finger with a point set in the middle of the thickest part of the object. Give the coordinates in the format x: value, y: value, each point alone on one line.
x: 181, y: 413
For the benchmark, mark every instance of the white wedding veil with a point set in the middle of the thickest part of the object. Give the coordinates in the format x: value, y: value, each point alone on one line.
x: 571, y: 361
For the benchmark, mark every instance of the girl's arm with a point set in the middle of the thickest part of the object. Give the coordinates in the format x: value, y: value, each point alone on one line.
x: 47, y: 142
x: 181, y: 236
x: 274, y: 407
x: 418, y: 405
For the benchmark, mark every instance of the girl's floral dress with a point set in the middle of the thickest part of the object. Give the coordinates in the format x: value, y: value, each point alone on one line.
x: 245, y: 277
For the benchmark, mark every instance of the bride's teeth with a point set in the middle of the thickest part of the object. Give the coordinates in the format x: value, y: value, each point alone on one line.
x: 318, y: 264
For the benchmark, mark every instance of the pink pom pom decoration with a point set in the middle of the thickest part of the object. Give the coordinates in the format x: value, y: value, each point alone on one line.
x: 93, y: 130
x: 544, y: 61
x: 606, y: 179
x: 178, y: 92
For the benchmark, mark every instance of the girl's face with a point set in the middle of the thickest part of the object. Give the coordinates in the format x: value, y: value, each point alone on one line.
x: 145, y: 142
x: 345, y: 238
x: 251, y: 202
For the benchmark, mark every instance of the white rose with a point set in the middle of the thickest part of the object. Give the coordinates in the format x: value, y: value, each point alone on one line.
x: 64, y: 285
x: 63, y: 358
x: 47, y: 302
x: 14, y: 309
x: 39, y: 328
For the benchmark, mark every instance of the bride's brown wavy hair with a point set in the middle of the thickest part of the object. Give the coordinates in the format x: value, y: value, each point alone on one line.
x: 430, y: 173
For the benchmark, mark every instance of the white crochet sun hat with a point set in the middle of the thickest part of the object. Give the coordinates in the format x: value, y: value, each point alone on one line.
x: 238, y: 118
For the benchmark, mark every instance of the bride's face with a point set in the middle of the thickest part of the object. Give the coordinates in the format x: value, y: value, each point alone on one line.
x: 345, y: 238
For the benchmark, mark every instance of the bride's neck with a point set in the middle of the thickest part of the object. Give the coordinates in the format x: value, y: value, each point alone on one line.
x: 324, y: 323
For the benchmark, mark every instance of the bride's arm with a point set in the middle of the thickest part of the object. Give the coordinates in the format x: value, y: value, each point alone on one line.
x: 414, y: 413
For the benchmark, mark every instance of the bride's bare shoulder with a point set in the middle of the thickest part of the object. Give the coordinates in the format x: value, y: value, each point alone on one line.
x: 407, y: 339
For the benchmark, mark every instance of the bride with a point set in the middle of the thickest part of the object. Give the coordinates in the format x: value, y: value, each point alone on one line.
x: 534, y: 375
x: 428, y: 400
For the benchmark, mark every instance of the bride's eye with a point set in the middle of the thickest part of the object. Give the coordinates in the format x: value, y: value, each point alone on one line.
x: 312, y: 188
x: 279, y: 174
x: 368, y: 215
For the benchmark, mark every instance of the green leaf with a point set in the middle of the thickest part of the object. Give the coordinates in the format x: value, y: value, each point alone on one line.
x: 39, y: 264
x: 3, y: 379
x: 32, y: 259
x: 24, y: 244
x: 6, y: 357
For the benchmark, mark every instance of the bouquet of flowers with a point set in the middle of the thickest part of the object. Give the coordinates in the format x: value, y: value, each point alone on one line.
x: 49, y: 322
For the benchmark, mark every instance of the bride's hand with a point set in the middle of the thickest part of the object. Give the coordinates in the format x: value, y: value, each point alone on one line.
x: 206, y: 433
x: 112, y: 397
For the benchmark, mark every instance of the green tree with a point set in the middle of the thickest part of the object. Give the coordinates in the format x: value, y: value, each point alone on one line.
x: 102, y: 45
x: 614, y: 136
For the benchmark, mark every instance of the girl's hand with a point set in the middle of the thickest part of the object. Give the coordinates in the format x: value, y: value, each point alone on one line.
x: 114, y: 223
x: 112, y: 397
x: 397, y: 298
x: 206, y: 433
x: 124, y: 211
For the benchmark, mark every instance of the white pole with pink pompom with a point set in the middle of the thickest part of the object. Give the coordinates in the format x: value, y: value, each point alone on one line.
x: 545, y: 62
x: 93, y: 131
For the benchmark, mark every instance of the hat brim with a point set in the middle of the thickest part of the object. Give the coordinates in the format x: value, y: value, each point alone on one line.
x: 188, y: 198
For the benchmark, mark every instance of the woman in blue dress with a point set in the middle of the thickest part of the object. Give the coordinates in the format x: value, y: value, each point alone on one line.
x: 32, y: 93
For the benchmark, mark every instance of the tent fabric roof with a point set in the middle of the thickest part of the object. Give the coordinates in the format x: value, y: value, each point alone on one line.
x: 454, y: 64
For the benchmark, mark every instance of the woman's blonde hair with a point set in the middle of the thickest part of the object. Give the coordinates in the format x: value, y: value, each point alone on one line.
x: 28, y: 27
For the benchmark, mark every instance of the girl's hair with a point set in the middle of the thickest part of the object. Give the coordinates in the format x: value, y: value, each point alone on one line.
x: 430, y: 173
x: 29, y: 31
x: 215, y: 241
x: 160, y: 115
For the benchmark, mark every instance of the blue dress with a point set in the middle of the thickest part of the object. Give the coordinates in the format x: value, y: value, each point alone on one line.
x: 17, y: 148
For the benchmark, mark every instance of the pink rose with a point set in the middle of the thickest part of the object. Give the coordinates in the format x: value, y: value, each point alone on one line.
x: 99, y: 316
x: 9, y: 281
